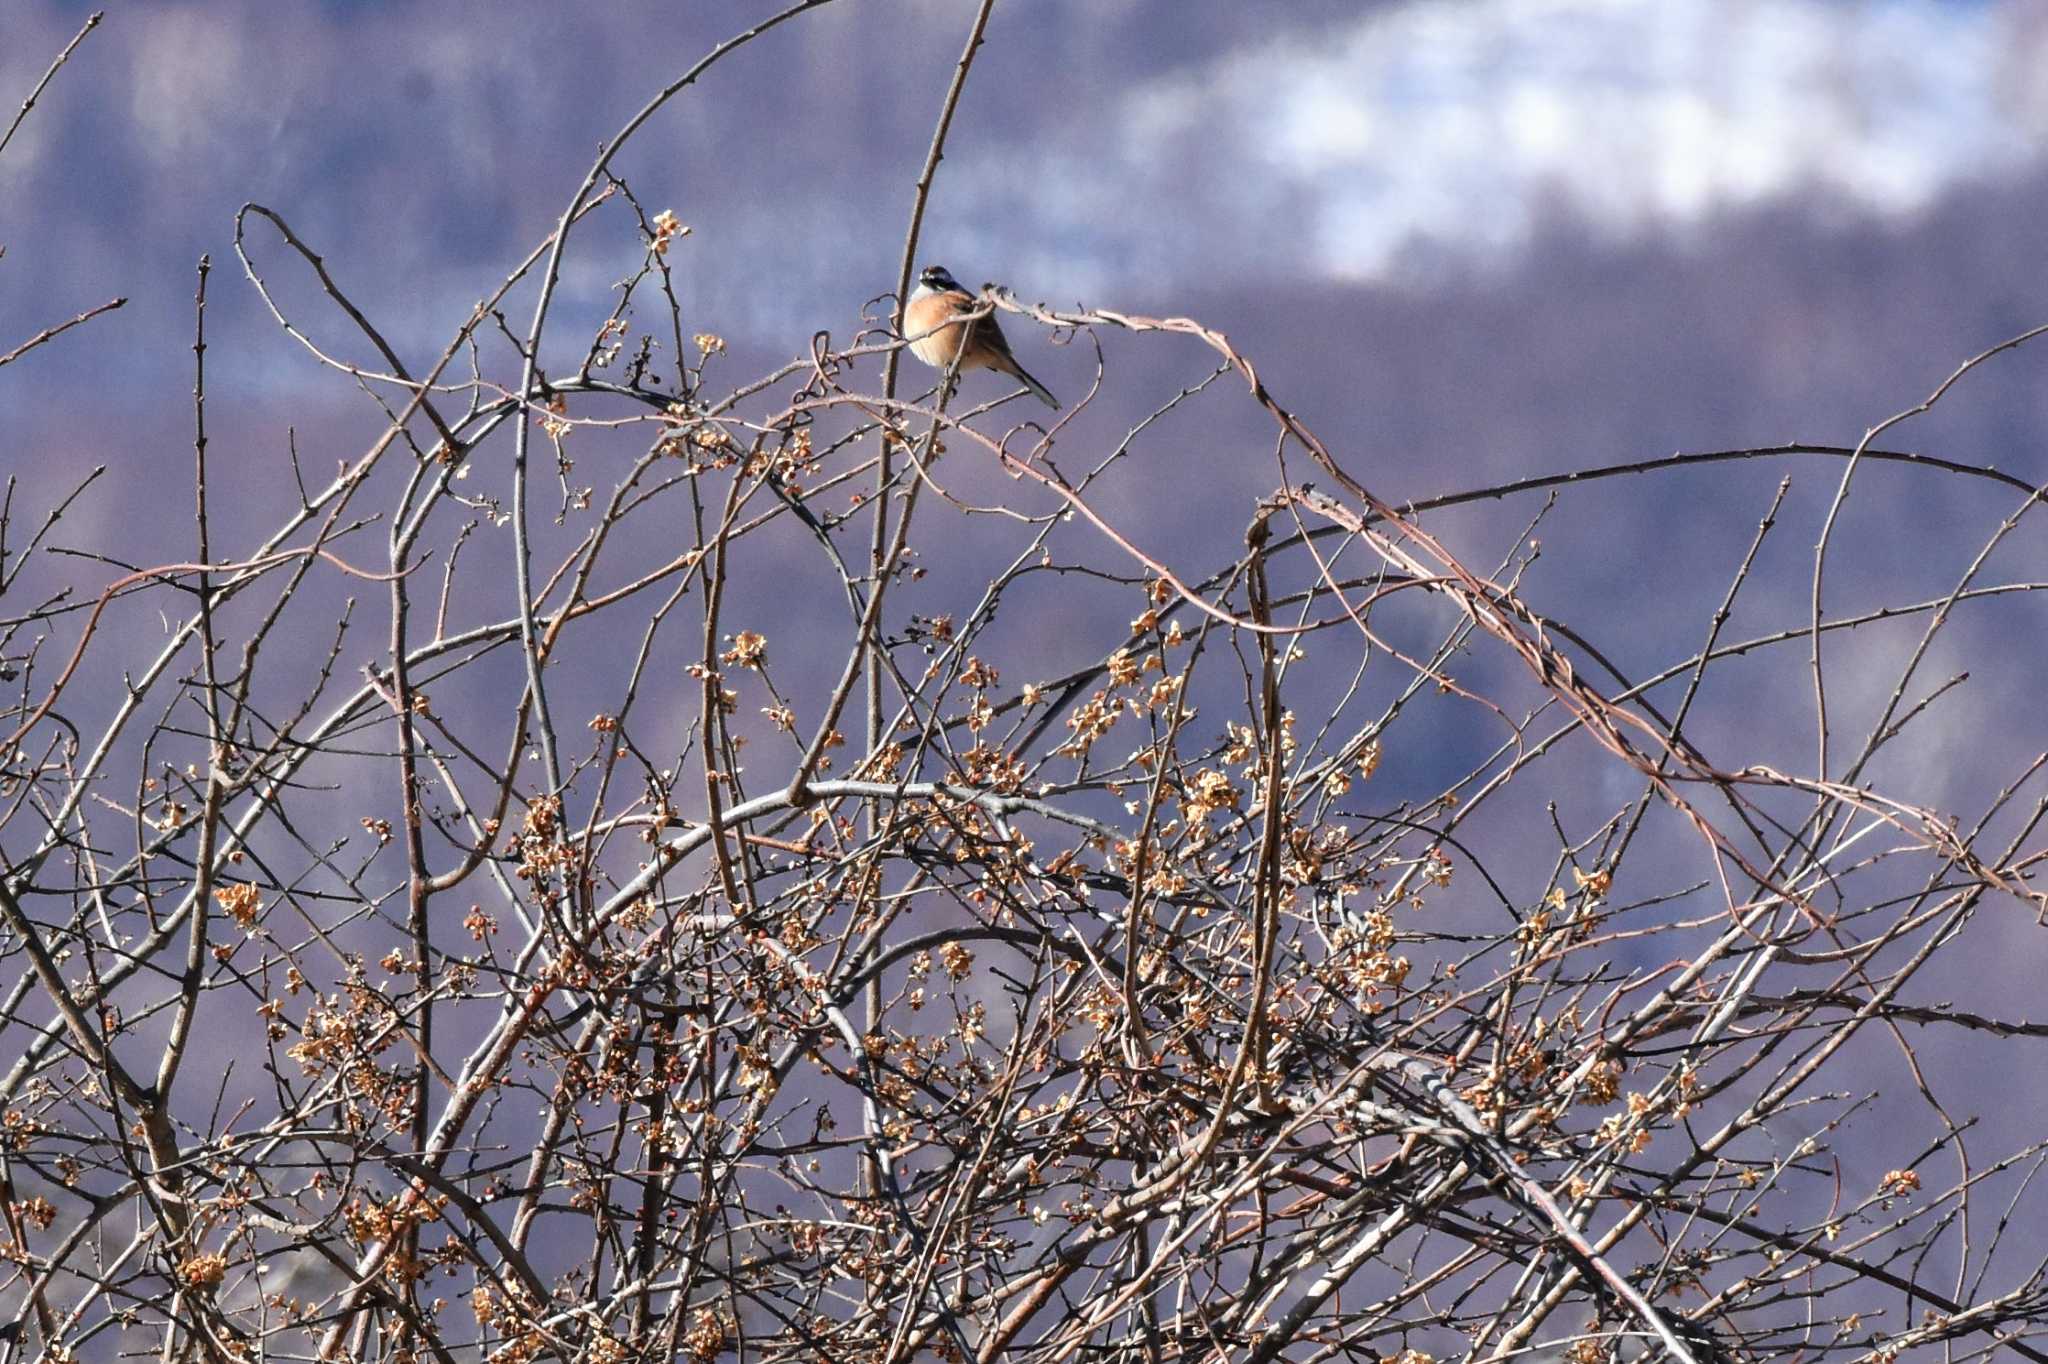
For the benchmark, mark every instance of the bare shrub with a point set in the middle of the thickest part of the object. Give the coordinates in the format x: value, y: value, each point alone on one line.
x: 547, y: 897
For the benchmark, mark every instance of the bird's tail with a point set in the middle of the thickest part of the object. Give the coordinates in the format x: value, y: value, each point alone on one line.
x: 1023, y: 376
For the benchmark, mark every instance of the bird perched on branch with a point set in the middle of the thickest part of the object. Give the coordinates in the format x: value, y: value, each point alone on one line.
x: 978, y: 343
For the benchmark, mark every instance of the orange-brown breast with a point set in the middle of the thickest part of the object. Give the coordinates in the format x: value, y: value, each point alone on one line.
x: 928, y: 314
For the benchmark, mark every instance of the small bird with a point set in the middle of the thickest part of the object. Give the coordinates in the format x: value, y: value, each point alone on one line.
x: 979, y: 344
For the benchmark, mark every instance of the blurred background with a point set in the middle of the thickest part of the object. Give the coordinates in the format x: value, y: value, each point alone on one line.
x: 1470, y: 241
x: 1643, y: 225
